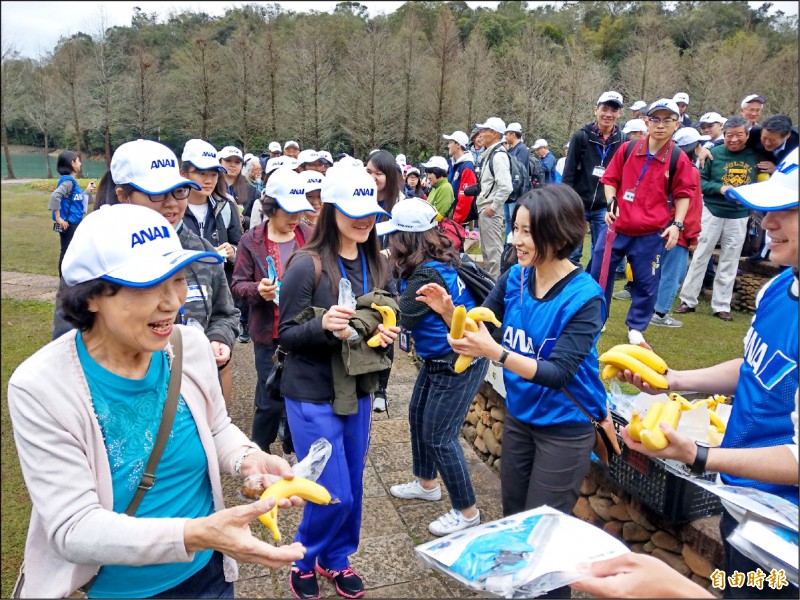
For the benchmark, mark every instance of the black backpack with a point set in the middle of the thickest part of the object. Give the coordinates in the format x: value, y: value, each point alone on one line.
x: 519, y: 175
x: 536, y: 170
x: 478, y: 282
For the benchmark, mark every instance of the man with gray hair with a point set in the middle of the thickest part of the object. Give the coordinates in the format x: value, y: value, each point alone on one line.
x: 494, y: 178
x: 723, y: 221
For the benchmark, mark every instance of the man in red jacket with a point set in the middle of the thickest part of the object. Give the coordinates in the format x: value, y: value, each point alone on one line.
x: 462, y: 173
x: 640, y: 212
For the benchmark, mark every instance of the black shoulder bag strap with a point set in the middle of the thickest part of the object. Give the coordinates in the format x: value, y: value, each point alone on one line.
x: 164, y: 429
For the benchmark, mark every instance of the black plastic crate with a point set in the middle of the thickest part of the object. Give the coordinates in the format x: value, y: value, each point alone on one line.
x: 674, y: 498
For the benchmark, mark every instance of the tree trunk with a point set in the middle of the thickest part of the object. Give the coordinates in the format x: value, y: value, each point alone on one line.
x: 47, y: 155
x: 7, y: 153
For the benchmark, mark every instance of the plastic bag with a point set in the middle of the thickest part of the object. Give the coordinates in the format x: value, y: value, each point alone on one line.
x: 346, y: 298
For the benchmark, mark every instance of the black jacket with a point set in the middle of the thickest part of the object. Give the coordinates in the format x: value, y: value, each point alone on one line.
x: 754, y: 142
x: 583, y: 156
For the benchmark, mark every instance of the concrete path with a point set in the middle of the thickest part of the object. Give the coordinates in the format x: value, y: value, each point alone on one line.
x: 390, y: 528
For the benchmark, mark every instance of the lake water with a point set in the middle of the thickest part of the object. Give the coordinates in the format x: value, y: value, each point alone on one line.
x: 30, y: 165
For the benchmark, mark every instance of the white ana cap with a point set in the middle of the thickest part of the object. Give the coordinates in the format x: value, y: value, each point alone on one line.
x: 307, y: 156
x: 610, y: 97
x: 148, y: 166
x: 274, y: 147
x: 349, y: 161
x: 436, y: 162
x: 127, y: 244
x: 248, y: 157
x: 681, y: 97
x: 291, y: 144
x: 352, y: 190
x: 459, y: 137
x: 689, y: 135
x: 281, y: 161
x: 411, y: 214
x: 664, y: 104
x: 326, y: 156
x: 711, y: 117
x: 288, y: 188
x: 779, y: 192
x: 639, y: 105
x: 313, y: 180
x: 494, y: 123
x: 753, y: 98
x: 409, y: 170
x: 201, y: 155
x: 634, y: 125
x: 540, y: 143
x: 400, y: 159
x: 514, y: 127
x: 230, y: 152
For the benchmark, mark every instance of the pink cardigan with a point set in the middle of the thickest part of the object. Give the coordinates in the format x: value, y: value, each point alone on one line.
x: 73, y: 529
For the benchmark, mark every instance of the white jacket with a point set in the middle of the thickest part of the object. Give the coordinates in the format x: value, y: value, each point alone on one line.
x: 73, y: 529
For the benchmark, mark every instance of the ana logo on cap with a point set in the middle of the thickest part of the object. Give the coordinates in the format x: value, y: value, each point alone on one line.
x: 363, y: 192
x: 162, y: 162
x: 148, y: 235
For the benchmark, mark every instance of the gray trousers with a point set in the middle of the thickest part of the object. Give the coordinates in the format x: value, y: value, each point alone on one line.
x: 492, y: 238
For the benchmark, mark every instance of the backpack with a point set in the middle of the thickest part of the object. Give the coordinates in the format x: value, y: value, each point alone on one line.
x: 478, y: 282
x: 673, y: 161
x: 536, y: 170
x: 519, y: 175
x: 454, y: 231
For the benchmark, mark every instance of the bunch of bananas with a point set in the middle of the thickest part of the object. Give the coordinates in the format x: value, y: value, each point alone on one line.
x: 468, y: 321
x: 286, y: 488
x: 649, y: 365
x: 389, y: 320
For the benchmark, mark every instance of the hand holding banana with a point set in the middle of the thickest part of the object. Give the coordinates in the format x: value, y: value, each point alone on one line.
x: 387, y: 331
x: 286, y: 488
x: 648, y: 365
x: 480, y: 344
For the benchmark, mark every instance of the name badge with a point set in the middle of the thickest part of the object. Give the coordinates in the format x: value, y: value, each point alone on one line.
x: 196, y: 293
x: 403, y: 340
x: 628, y: 196
x: 598, y: 171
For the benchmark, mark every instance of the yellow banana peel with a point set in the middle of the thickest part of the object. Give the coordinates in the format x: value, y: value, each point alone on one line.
x: 285, y: 488
x: 389, y: 320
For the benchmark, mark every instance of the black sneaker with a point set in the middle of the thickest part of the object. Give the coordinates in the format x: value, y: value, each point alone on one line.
x: 348, y: 583
x: 304, y: 584
x: 244, y: 338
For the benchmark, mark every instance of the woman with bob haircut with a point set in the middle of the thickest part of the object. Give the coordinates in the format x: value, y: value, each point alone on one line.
x: 83, y: 443
x: 422, y: 254
x: 552, y: 313
x: 67, y: 202
x: 325, y: 336
x: 283, y: 205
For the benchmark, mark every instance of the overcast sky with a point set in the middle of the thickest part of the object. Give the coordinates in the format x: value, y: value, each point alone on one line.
x: 35, y: 27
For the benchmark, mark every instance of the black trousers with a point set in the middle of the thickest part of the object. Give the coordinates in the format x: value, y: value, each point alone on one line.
x: 268, y: 413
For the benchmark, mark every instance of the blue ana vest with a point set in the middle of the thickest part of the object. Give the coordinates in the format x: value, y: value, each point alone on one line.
x: 430, y: 332
x: 531, y: 327
x: 71, y: 208
x: 764, y: 398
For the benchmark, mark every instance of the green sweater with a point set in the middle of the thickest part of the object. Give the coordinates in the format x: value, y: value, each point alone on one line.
x: 727, y: 168
x: 442, y: 197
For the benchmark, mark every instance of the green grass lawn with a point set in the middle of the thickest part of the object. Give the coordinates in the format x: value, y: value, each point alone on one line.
x: 28, y: 243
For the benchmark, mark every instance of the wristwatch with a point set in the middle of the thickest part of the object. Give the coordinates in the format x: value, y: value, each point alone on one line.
x: 503, y: 357
x: 698, y: 467
x: 678, y: 224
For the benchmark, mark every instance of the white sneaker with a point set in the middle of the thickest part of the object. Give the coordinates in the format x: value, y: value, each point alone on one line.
x: 665, y: 321
x: 414, y: 489
x: 636, y: 338
x: 453, y: 521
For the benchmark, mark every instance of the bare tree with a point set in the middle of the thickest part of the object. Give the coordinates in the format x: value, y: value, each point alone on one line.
x: 143, y: 75
x: 105, y: 83
x: 13, y: 73
x: 408, y: 44
x: 243, y: 81
x: 477, y: 70
x: 39, y: 104
x: 70, y: 62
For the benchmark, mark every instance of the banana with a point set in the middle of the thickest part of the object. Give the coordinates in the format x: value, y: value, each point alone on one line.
x: 285, y: 488
x: 653, y: 438
x: 635, y: 427
x: 648, y: 357
x: 709, y: 402
x: 462, y: 362
x: 609, y: 372
x: 651, y: 418
x: 714, y: 437
x: 470, y: 325
x: 623, y: 360
x: 720, y: 399
x: 389, y: 320
x: 685, y: 404
x: 481, y: 313
x: 458, y: 323
x: 716, y: 421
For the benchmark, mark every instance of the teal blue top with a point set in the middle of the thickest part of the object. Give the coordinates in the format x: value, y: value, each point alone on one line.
x: 129, y: 413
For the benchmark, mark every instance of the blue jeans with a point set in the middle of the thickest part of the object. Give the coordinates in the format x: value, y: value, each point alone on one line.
x: 331, y: 533
x: 439, y: 405
x: 508, y: 211
x: 674, y: 264
x: 597, y: 229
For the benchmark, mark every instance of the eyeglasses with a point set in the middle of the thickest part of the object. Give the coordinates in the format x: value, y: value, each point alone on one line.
x: 657, y: 121
x: 181, y: 193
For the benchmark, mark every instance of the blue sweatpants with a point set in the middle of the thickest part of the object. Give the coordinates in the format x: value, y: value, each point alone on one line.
x: 331, y: 533
x: 644, y: 256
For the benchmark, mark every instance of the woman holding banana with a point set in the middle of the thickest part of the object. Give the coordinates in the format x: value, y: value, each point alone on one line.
x: 319, y: 328
x: 552, y: 312
x: 421, y: 254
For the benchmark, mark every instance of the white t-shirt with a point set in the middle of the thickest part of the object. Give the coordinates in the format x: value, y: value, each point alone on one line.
x: 200, y: 212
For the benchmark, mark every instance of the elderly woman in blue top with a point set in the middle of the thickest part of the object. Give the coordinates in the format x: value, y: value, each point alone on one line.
x: 552, y: 312
x: 86, y: 410
x: 421, y: 254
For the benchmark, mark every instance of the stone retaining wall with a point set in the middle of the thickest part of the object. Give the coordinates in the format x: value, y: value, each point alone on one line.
x: 693, y: 549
